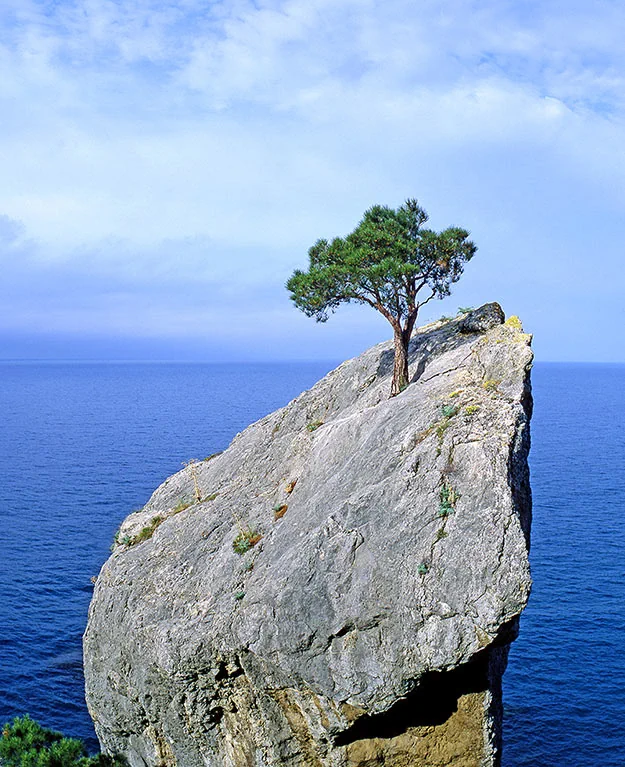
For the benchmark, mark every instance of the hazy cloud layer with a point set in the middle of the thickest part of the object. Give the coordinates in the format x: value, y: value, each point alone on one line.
x: 166, y: 165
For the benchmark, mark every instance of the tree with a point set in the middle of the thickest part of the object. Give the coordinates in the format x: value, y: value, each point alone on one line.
x: 387, y: 262
x: 25, y: 743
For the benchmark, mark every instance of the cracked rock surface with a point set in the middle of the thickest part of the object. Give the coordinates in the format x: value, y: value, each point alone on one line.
x: 384, y: 566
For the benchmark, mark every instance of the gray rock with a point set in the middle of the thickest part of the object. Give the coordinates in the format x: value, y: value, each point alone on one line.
x: 386, y: 567
x: 482, y: 319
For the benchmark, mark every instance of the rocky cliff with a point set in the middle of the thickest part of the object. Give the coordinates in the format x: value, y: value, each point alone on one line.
x: 345, y: 591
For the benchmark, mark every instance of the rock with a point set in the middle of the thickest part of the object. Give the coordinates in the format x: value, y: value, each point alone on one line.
x: 482, y: 319
x: 367, y: 624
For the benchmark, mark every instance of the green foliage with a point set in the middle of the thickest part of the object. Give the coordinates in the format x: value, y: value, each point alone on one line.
x: 247, y: 538
x: 181, y: 505
x: 120, y: 540
x: 440, y: 534
x: 314, y: 425
x: 210, y: 497
x: 449, y: 411
x: 148, y: 531
x: 422, y: 568
x: 239, y: 595
x: 25, y: 743
x: 388, y: 262
x: 448, y: 499
x: 464, y: 309
x: 385, y: 261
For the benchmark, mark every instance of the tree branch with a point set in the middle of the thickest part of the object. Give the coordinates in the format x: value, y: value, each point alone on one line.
x: 429, y: 298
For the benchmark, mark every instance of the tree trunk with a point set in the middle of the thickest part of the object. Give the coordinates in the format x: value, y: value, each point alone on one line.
x: 400, y: 367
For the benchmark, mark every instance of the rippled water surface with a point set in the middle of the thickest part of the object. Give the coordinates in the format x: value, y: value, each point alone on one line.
x: 564, y: 690
x: 81, y: 445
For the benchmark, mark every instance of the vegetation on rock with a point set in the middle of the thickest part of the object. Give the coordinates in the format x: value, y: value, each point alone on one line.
x: 448, y: 499
x: 386, y: 262
x: 245, y: 540
x: 25, y: 743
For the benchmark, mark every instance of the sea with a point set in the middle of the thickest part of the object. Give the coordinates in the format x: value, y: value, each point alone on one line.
x: 84, y: 443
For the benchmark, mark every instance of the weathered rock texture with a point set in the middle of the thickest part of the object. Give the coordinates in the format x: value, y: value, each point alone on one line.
x: 369, y: 625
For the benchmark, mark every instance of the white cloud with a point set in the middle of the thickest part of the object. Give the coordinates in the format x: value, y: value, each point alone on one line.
x: 149, y: 141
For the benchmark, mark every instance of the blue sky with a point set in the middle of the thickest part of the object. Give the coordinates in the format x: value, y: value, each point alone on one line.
x: 165, y: 167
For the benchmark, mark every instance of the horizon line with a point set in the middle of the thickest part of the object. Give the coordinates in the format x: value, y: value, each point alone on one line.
x: 299, y: 361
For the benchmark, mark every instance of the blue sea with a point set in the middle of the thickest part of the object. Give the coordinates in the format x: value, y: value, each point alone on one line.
x: 83, y: 444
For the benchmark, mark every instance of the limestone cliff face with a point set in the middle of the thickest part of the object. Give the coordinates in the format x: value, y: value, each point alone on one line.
x: 383, y: 569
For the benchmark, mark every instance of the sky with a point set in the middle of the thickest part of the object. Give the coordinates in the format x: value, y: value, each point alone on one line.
x: 167, y: 165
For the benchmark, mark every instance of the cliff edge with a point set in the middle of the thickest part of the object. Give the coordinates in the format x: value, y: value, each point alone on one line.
x: 345, y: 592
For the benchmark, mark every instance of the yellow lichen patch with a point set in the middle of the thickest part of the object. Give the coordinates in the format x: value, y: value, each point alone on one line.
x: 471, y: 409
x: 456, y: 393
x: 491, y: 384
x: 523, y: 338
x: 514, y: 322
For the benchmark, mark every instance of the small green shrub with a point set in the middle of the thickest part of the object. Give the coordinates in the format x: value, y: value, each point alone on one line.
x: 440, y: 534
x: 210, y: 497
x: 182, y: 504
x: 120, y: 540
x: 314, y: 425
x: 448, y: 499
x: 245, y: 540
x: 148, y: 531
x: 239, y: 595
x: 449, y: 411
x: 465, y: 309
x: 422, y: 568
x: 25, y: 743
